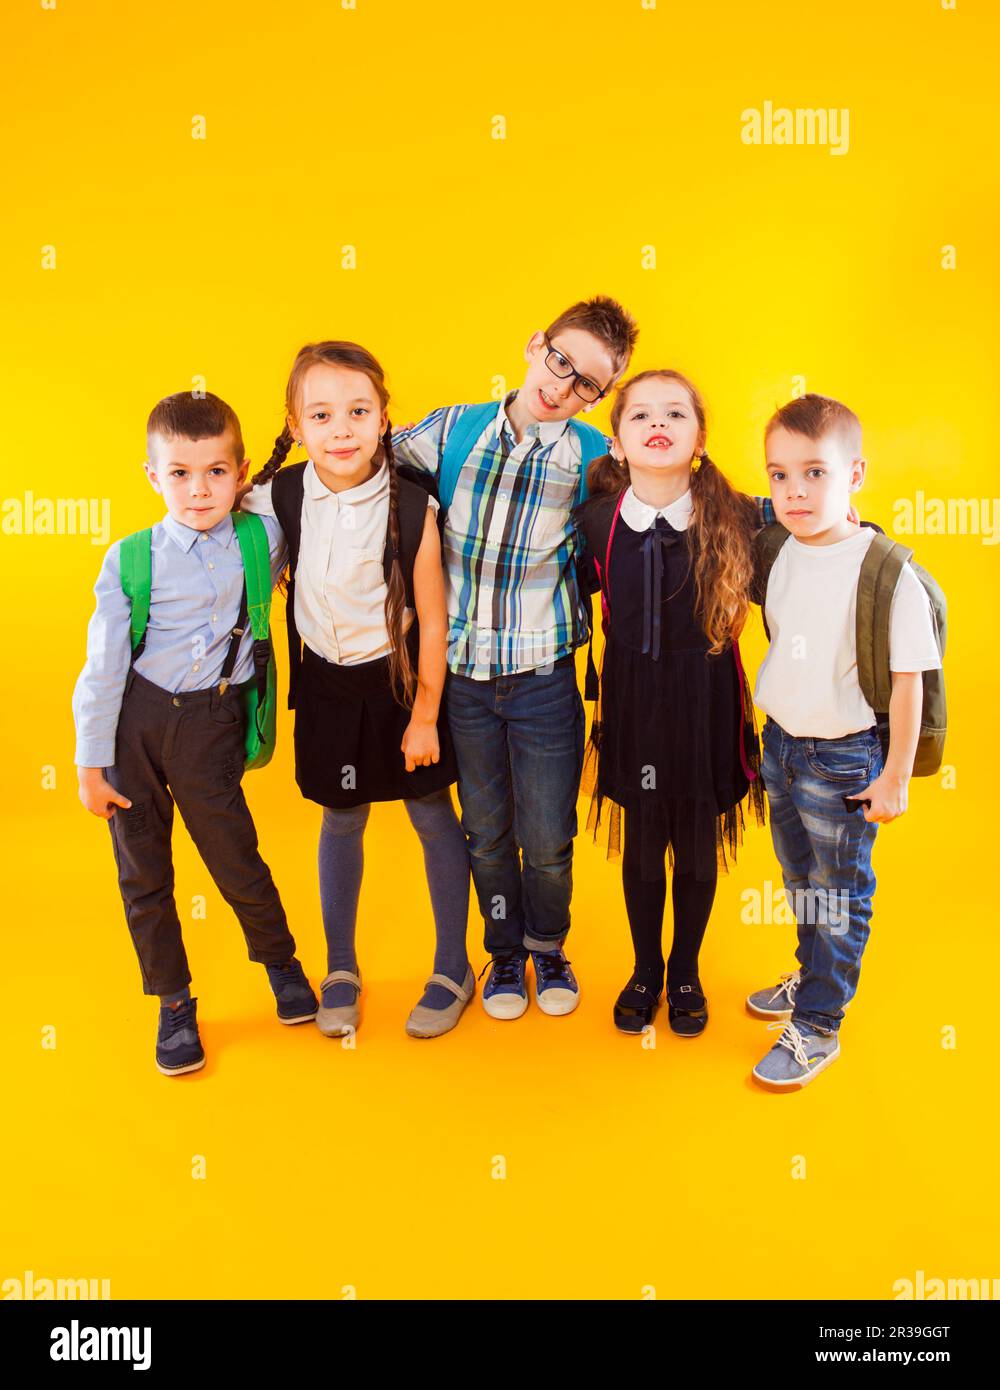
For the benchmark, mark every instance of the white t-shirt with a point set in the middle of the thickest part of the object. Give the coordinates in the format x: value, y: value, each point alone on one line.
x: 808, y: 682
x: 340, y: 585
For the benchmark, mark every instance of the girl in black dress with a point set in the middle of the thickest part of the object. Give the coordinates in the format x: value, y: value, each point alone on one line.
x: 667, y: 542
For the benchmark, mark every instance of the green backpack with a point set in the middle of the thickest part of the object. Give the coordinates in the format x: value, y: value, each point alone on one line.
x: 260, y: 692
x: 880, y: 571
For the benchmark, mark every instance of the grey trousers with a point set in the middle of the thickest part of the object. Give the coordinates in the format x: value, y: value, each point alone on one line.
x: 187, y: 749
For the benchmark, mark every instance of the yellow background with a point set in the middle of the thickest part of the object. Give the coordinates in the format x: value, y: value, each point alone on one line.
x: 179, y: 258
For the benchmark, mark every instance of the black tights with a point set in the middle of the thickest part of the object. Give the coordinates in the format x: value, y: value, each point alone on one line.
x: 645, y: 901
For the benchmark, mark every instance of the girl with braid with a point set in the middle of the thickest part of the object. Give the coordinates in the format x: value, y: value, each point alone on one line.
x: 367, y: 634
x: 673, y: 743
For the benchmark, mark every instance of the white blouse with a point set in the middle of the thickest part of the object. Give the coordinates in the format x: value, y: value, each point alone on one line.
x: 340, y: 588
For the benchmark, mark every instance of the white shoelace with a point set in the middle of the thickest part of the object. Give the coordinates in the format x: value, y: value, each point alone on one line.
x: 789, y: 984
x: 793, y: 1040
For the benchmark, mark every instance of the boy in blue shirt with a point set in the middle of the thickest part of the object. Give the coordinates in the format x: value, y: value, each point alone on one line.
x: 167, y: 727
x: 516, y: 615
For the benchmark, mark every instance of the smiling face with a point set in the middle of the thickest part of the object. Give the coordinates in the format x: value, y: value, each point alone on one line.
x: 658, y: 429
x: 197, y: 478
x: 811, y: 483
x: 547, y: 396
x: 340, y: 418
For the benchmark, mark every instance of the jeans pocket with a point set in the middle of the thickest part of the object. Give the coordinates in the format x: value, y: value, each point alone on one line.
x: 842, y: 760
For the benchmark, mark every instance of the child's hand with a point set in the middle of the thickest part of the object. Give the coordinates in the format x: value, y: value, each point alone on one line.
x: 420, y: 744
x: 853, y: 516
x: 99, y: 796
x: 888, y: 797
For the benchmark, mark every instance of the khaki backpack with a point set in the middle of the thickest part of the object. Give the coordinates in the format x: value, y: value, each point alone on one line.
x: 880, y: 571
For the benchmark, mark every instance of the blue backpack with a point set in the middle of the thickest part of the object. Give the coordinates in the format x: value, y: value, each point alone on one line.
x: 471, y: 425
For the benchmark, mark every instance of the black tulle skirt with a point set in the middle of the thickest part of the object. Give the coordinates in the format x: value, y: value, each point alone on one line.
x: 674, y: 743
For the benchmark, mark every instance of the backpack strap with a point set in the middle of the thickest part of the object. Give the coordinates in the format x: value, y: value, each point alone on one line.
x: 766, y: 545
x: 596, y: 521
x: 592, y: 446
x: 135, y: 561
x: 462, y: 436
x: 877, y: 580
x: 256, y: 551
x: 256, y: 602
x: 287, y: 492
x: 411, y: 501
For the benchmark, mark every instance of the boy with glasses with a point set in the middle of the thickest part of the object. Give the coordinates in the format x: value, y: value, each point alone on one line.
x: 508, y: 475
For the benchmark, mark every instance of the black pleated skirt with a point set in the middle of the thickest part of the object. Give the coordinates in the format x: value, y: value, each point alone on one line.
x: 348, y: 731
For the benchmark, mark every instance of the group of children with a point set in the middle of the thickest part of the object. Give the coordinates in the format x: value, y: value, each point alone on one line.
x: 438, y: 586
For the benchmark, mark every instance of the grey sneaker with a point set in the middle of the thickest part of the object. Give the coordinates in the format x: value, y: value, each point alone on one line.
x: 335, y: 1022
x: 775, y: 1002
x: 797, y: 1056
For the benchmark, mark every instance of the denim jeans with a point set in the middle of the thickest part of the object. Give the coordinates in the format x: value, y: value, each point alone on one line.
x: 825, y: 853
x: 519, y: 745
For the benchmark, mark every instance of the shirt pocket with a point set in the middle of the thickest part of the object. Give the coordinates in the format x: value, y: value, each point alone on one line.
x: 364, y: 573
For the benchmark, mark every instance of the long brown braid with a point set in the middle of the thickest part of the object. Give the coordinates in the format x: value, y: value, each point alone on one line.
x: 402, y: 675
x: 721, y: 529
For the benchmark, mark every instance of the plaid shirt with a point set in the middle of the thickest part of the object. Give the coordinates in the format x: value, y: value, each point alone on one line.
x: 510, y: 546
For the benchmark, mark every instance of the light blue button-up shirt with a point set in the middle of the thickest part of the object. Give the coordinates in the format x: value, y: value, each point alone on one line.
x: 197, y: 584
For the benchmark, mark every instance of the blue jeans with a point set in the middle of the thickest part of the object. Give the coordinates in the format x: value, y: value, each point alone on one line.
x: 519, y: 745
x: 825, y: 852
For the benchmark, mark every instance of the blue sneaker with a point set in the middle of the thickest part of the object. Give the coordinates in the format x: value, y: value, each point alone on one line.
x: 777, y: 1001
x: 797, y: 1057
x: 178, y: 1046
x: 556, y: 989
x: 505, y: 994
x: 296, y: 1001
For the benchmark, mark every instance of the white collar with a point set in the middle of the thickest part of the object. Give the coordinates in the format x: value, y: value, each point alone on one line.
x: 640, y: 516
x: 371, y: 487
x: 547, y: 431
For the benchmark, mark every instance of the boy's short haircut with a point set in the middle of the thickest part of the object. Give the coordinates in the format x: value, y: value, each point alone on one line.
x: 817, y: 416
x: 184, y: 416
x: 606, y: 320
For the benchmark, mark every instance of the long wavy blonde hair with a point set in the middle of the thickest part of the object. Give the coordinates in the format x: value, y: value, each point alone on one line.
x: 720, y: 531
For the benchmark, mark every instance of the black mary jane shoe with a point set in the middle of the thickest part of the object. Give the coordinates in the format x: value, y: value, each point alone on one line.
x: 687, y: 1010
x: 635, y: 1007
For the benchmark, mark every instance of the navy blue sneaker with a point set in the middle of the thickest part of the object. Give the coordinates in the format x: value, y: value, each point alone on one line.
x: 296, y: 1001
x: 178, y: 1046
x: 505, y: 994
x: 556, y: 989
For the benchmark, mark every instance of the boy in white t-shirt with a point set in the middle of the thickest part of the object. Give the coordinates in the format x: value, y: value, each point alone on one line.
x: 827, y: 785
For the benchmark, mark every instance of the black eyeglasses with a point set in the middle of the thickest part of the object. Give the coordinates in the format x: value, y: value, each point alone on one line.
x: 561, y: 366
